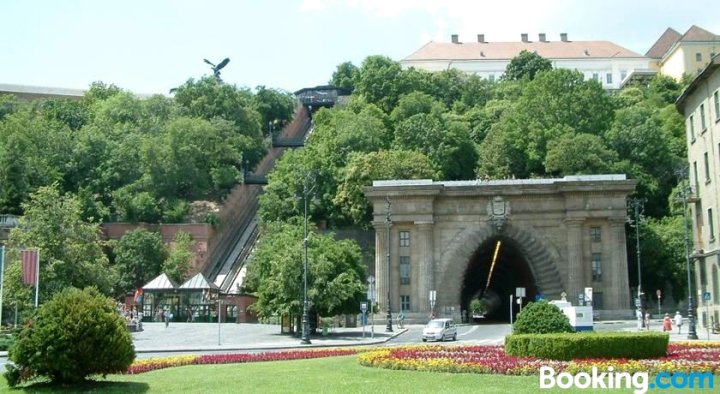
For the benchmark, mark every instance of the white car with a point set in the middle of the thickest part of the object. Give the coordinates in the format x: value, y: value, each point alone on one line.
x: 440, y: 330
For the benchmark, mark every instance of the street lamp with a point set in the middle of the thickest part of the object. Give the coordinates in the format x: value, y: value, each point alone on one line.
x: 388, y: 222
x: 637, y: 205
x: 684, y: 194
x: 305, y: 339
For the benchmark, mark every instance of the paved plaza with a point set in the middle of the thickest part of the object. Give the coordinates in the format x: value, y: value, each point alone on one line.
x: 155, y: 337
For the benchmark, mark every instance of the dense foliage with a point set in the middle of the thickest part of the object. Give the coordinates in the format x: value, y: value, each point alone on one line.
x: 541, y: 317
x: 136, y: 159
x: 335, y: 276
x: 73, y: 336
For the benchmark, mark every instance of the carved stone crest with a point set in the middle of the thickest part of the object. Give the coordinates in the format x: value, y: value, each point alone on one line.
x: 498, y: 211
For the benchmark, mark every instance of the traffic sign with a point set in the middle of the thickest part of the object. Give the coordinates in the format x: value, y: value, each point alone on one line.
x: 658, y: 293
x: 363, y: 307
x: 706, y: 296
x: 638, y: 303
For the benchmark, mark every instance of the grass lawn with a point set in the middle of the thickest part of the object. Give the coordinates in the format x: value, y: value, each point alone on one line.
x: 326, y: 375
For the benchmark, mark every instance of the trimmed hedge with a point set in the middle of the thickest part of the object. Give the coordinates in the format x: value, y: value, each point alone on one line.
x: 541, y: 317
x: 565, y: 346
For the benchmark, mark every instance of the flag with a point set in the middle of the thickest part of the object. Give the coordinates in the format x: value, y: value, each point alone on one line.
x: 29, y: 266
x: 138, y: 299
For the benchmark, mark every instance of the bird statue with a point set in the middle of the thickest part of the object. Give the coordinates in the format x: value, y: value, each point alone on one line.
x: 216, y: 68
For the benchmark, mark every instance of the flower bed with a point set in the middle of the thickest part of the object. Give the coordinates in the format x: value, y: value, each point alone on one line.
x: 152, y: 364
x: 690, y: 356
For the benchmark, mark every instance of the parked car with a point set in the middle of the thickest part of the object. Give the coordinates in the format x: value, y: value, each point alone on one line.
x: 440, y: 330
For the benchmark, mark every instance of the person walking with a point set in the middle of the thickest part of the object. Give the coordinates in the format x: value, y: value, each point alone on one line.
x: 678, y: 321
x: 166, y: 318
x: 667, y: 323
x: 647, y: 320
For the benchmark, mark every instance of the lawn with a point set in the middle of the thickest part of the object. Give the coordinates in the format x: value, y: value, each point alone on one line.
x: 326, y: 375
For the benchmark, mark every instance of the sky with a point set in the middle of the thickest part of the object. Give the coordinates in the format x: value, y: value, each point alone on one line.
x: 151, y: 46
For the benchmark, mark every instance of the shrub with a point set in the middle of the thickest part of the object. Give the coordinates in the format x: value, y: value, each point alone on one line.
x: 6, y: 341
x: 541, y: 318
x: 588, y: 345
x: 76, y: 334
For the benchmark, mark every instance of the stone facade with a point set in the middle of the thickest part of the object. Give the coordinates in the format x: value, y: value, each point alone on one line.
x: 547, y: 235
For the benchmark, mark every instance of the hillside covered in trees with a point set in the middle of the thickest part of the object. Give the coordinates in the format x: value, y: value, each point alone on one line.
x: 535, y: 122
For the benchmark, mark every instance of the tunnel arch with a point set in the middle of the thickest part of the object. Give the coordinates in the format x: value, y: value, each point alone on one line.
x: 533, y: 264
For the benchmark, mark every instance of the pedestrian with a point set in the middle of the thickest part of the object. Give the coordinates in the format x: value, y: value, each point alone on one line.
x: 647, y: 320
x: 678, y: 321
x: 401, y: 319
x: 166, y: 318
x: 667, y: 323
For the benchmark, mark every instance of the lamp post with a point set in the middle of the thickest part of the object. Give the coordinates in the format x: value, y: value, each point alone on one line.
x: 637, y: 205
x: 371, y: 298
x: 684, y: 194
x: 388, y: 222
x: 305, y: 339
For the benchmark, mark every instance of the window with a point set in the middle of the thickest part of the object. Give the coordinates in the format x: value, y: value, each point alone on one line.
x: 623, y: 74
x: 707, y: 167
x: 698, y: 56
x: 404, y: 302
x: 608, y: 78
x: 691, y: 127
x: 595, y: 234
x: 404, y: 238
x: 697, y: 183
x: 404, y: 270
x: 596, y: 268
x: 597, y: 300
x: 596, y: 77
x: 716, y: 97
x: 711, y: 224
x: 491, y: 78
x: 715, y: 283
x: 703, y: 126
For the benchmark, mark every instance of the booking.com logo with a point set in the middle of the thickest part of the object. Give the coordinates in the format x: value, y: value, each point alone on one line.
x: 640, y: 381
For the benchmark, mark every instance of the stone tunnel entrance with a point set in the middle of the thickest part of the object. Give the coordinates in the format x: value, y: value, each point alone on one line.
x: 494, y: 283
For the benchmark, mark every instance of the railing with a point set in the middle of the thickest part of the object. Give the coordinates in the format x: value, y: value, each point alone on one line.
x: 8, y: 221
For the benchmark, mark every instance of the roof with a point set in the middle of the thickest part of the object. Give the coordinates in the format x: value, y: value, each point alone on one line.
x: 663, y: 44
x: 40, y: 91
x: 704, y: 74
x: 198, y: 281
x: 696, y: 33
x: 508, y: 50
x: 161, y: 282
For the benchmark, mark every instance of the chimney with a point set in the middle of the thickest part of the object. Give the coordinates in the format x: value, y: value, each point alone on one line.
x: 541, y: 37
x: 524, y: 37
x: 481, y: 38
x: 454, y: 39
x: 563, y: 37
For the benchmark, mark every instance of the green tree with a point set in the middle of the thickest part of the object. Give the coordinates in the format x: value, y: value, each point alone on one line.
x: 526, y: 65
x: 75, y: 335
x: 71, y: 252
x: 580, y: 153
x: 362, y: 169
x: 448, y: 145
x: 377, y: 80
x: 275, y: 106
x: 335, y: 271
x: 139, y: 256
x: 180, y: 257
x: 344, y: 76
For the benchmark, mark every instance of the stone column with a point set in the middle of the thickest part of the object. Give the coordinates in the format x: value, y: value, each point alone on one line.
x: 616, y: 284
x: 575, y: 263
x: 426, y: 264
x: 381, y: 268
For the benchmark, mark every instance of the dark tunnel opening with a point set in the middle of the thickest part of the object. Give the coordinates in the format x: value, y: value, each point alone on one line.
x: 511, y: 270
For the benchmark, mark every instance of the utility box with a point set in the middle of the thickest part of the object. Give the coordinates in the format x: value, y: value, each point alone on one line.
x: 581, y: 317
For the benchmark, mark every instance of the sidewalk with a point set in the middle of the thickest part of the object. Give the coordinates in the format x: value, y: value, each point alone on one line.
x: 185, y: 337
x: 702, y: 333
